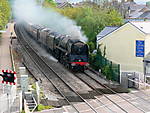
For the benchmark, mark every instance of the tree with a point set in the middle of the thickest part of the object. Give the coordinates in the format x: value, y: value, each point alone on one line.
x: 4, y: 13
x: 49, y: 3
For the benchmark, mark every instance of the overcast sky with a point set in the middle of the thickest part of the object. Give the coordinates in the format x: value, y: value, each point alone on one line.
x: 142, y: 1
x: 137, y: 1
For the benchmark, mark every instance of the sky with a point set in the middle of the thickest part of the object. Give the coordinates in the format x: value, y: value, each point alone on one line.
x: 141, y: 1
x: 137, y: 1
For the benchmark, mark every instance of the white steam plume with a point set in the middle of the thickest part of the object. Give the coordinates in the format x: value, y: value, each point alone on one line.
x: 29, y: 11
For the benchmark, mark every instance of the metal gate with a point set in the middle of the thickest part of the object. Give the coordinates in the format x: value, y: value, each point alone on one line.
x: 130, y: 79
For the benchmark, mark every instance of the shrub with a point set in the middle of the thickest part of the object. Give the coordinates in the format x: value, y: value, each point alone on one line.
x: 23, y: 111
x: 41, y: 107
x: 33, y: 86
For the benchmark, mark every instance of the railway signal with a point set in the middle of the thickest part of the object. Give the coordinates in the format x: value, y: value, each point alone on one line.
x: 8, y: 77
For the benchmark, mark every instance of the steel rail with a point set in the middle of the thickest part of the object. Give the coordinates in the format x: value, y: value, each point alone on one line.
x: 114, y: 92
x: 100, y: 92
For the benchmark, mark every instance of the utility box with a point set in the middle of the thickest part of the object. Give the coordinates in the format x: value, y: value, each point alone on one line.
x: 124, y: 80
x: 24, y: 83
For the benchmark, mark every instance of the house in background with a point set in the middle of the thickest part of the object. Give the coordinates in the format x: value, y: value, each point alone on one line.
x: 60, y: 1
x: 129, y: 46
x: 63, y: 3
x: 136, y: 12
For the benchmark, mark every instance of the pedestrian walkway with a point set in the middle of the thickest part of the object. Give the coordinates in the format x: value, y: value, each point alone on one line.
x: 5, y: 59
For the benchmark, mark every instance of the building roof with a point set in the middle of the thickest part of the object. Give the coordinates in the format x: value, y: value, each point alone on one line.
x: 144, y: 9
x: 135, y: 14
x: 143, y: 26
x: 145, y: 15
x: 133, y: 6
x: 140, y: 13
x: 135, y: 10
x: 63, y: 5
x: 61, y: 1
x: 137, y: 6
x: 106, y: 31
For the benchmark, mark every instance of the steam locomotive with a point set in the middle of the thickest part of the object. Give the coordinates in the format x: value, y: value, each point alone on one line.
x: 72, y: 53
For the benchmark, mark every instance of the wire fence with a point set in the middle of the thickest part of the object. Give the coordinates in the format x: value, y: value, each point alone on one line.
x: 108, y: 68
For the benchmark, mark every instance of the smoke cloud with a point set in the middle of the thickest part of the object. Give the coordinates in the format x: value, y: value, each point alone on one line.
x: 28, y: 10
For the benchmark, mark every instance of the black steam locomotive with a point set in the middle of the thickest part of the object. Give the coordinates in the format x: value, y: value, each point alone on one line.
x: 73, y: 53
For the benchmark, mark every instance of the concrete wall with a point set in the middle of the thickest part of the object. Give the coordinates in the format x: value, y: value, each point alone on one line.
x: 7, y: 99
x: 4, y: 103
x: 121, y: 47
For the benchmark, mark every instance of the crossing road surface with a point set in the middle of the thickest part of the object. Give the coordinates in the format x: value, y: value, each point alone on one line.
x: 140, y: 99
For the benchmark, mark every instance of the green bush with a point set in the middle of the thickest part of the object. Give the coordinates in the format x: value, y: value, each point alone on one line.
x: 107, y: 71
x: 41, y: 107
x: 93, y: 61
x: 92, y: 46
x: 33, y: 86
x: 42, y: 94
x: 49, y: 3
x: 49, y: 107
x: 23, y: 111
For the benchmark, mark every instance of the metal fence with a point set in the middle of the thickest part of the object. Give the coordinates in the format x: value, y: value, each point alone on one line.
x: 108, y: 68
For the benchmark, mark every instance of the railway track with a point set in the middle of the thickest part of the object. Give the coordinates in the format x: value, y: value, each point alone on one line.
x: 142, y: 96
x: 85, y: 77
x: 62, y: 87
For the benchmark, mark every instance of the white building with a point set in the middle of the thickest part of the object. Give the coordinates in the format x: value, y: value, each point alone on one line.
x: 129, y: 46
